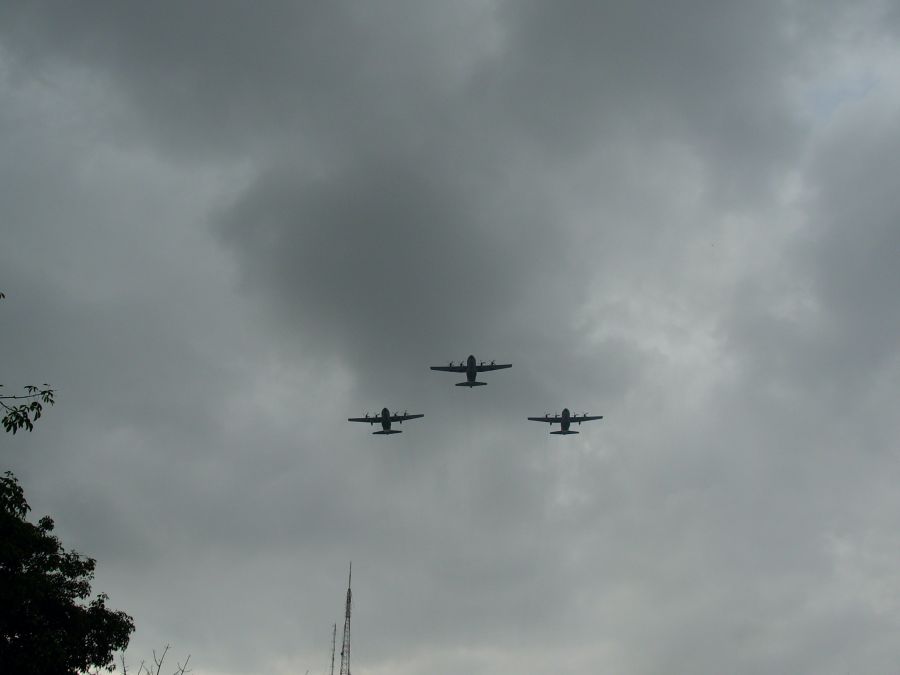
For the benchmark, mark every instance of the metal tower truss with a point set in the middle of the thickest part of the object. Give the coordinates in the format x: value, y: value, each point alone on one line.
x: 345, y: 648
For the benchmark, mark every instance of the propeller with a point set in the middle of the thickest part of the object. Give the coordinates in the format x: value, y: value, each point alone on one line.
x: 367, y: 414
x: 450, y: 365
x: 492, y: 362
x: 481, y: 364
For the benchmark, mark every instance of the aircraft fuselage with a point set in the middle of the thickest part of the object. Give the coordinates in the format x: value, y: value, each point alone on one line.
x: 470, y: 370
x: 564, y: 422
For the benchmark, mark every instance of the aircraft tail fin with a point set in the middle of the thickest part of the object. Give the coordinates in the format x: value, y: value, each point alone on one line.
x: 388, y: 431
x: 564, y: 432
x: 471, y: 384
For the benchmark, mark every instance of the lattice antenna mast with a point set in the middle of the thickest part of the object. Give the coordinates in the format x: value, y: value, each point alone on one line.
x: 333, y: 643
x: 345, y: 649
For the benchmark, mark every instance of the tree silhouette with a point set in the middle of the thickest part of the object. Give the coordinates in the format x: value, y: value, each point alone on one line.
x: 45, y: 627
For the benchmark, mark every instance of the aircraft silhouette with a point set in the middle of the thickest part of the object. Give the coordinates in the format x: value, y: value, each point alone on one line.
x: 565, y: 420
x: 385, y: 419
x: 471, y: 369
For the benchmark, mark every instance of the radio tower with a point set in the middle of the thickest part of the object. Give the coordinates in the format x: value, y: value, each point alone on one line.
x: 333, y: 641
x: 345, y: 649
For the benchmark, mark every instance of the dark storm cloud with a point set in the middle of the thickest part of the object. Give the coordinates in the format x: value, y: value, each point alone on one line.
x: 420, y: 205
x: 211, y: 81
x: 459, y: 223
x: 197, y: 77
x: 712, y: 75
x: 392, y: 254
x: 440, y: 239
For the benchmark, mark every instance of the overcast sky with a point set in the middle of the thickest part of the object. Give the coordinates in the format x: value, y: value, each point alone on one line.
x: 227, y: 227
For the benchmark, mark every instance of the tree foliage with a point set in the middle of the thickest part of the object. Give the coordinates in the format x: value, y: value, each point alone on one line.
x: 46, y: 627
x: 23, y: 410
x: 24, y: 415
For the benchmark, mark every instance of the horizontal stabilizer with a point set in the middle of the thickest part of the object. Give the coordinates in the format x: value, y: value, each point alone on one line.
x: 388, y: 431
x: 471, y: 384
x: 561, y: 432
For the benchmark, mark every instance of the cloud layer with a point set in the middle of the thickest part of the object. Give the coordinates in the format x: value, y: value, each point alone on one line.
x: 227, y: 230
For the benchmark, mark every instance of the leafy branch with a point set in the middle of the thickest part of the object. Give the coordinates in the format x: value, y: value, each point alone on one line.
x: 24, y: 415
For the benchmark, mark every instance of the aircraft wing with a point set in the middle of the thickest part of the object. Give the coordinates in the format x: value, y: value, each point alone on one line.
x: 484, y: 367
x: 403, y: 418
x: 585, y: 418
x: 450, y: 369
x: 370, y: 420
x: 550, y: 420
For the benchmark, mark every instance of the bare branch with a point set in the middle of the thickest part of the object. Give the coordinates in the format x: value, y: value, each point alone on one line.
x: 182, y: 669
x: 158, y: 660
x: 33, y: 392
x: 161, y: 659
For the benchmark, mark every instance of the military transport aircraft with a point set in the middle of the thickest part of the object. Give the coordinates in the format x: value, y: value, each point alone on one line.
x: 385, y: 419
x: 565, y: 420
x: 471, y: 369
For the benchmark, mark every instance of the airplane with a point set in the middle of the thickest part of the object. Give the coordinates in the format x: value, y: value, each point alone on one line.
x: 385, y: 419
x: 471, y: 369
x: 565, y: 420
